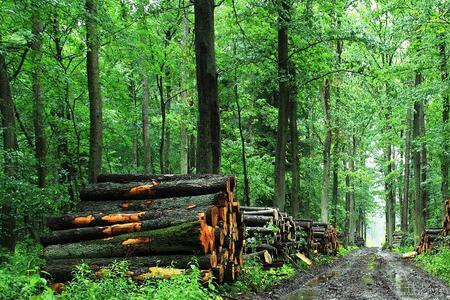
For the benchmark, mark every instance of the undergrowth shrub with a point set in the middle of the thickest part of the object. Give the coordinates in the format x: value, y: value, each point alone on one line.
x: 437, y: 264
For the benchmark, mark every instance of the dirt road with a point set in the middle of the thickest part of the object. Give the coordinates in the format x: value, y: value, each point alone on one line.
x: 364, y: 274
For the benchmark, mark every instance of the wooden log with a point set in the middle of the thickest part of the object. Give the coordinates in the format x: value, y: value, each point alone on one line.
x: 158, y: 205
x: 257, y: 220
x: 433, y: 231
x: 188, y: 238
x: 108, y: 191
x: 264, y: 256
x: 100, y: 232
x: 126, y: 178
x: 62, y: 269
x: 79, y: 220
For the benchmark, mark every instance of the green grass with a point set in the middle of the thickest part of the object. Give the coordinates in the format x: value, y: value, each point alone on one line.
x: 437, y: 263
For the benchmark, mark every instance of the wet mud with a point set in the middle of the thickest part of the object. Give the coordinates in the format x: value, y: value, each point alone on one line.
x: 367, y: 273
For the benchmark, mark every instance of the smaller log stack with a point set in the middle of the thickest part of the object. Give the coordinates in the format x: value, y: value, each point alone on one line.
x: 151, y: 221
x: 305, y: 238
x: 275, y: 232
x: 446, y: 224
x: 429, y: 238
x: 397, y: 238
x: 325, y: 238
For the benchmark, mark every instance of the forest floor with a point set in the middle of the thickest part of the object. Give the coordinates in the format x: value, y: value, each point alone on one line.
x: 367, y: 273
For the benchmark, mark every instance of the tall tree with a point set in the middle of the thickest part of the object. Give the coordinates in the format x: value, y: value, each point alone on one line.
x: 95, y: 99
x: 419, y: 207
x: 406, y: 176
x: 145, y: 132
x: 7, y: 215
x: 39, y: 133
x: 445, y: 159
x: 326, y: 150
x: 295, y: 189
x: 208, y: 136
x: 283, y: 7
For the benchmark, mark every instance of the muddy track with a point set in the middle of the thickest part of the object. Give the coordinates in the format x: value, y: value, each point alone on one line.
x: 364, y: 274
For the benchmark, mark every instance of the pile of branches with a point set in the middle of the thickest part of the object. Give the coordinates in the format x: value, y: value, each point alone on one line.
x: 151, y: 221
x: 275, y: 237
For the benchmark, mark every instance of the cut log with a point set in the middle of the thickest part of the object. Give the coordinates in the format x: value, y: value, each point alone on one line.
x: 264, y: 256
x: 108, y: 191
x: 159, y: 206
x: 188, y: 238
x: 303, y: 257
x: 62, y: 269
x: 104, y: 219
x: 256, y: 220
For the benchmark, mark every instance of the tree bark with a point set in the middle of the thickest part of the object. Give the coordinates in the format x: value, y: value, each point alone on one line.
x: 352, y: 209
x: 95, y: 100
x: 295, y: 197
x: 406, y: 174
x: 445, y: 158
x: 108, y: 191
x: 184, y: 238
x: 208, y: 136
x: 326, y: 151
x: 61, y: 270
x: 424, y: 166
x: 7, y: 215
x: 283, y: 102
x: 185, y: 77
x: 148, y: 169
x: 419, y: 221
x: 39, y: 132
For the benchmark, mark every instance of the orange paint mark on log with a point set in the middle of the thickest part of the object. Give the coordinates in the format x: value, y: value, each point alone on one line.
x: 122, y: 228
x: 107, y: 239
x: 84, y: 220
x: 125, y: 205
x: 136, y: 241
x: 123, y: 218
x: 57, y: 287
x: 191, y: 206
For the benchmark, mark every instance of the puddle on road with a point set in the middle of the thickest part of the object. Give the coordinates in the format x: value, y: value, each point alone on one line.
x: 401, y: 284
x: 310, y: 292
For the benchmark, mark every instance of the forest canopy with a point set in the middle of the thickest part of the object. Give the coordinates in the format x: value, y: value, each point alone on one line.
x: 325, y: 109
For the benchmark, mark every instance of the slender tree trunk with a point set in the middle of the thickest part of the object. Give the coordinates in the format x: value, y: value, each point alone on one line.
x: 406, y: 176
x: 424, y: 166
x: 352, y: 207
x: 145, y: 132
x: 445, y: 159
x: 39, y: 134
x: 241, y: 134
x: 162, y: 160
x: 7, y: 213
x: 184, y: 147
x: 347, y: 232
x: 283, y: 102
x: 191, y: 153
x: 295, y: 197
x: 335, y: 195
x: 95, y: 100
x: 208, y: 136
x: 326, y: 151
x: 388, y: 196
x: 419, y: 221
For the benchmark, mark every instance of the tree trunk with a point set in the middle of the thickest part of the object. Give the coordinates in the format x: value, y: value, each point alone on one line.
x: 283, y: 102
x: 109, y: 191
x: 208, y: 136
x: 39, y: 134
x: 406, y: 176
x: 186, y: 97
x: 388, y: 196
x: 241, y: 134
x: 191, y: 153
x: 326, y: 151
x: 95, y: 100
x: 295, y: 201
x: 125, y: 178
x: 347, y: 207
x: 424, y: 166
x: 178, y: 239
x: 445, y: 159
x: 145, y: 133
x: 419, y: 221
x: 352, y: 202
x: 335, y: 195
x: 7, y: 212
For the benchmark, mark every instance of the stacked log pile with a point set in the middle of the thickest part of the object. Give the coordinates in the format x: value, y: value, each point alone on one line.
x: 151, y: 221
x: 397, y: 238
x: 429, y: 238
x: 447, y: 218
x: 282, y: 236
x: 325, y: 238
